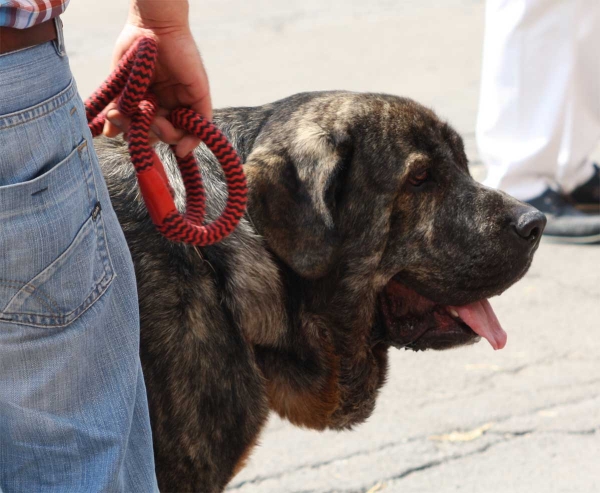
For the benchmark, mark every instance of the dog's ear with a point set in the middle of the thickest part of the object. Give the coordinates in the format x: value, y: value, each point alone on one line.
x: 294, y: 183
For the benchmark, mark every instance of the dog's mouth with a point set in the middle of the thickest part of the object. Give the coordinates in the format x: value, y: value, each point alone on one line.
x: 413, y: 321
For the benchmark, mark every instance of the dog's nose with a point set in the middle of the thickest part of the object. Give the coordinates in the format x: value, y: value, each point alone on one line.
x: 530, y: 225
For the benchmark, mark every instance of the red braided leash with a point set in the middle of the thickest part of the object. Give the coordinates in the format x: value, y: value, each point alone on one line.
x: 131, y: 79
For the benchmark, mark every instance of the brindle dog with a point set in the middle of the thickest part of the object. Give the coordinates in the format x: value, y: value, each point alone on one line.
x: 364, y: 226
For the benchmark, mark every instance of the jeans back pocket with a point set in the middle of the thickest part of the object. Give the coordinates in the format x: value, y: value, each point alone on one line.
x: 55, y: 261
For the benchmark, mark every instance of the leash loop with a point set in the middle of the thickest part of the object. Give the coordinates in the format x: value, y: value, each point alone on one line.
x: 131, y: 80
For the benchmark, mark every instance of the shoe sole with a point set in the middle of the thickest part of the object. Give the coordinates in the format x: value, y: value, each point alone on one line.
x: 572, y: 240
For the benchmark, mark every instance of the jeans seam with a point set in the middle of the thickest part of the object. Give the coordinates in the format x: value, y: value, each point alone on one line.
x: 44, y: 300
x: 17, y: 51
x: 103, y: 282
x: 64, y: 320
x: 81, y: 148
x: 59, y: 42
x: 51, y: 105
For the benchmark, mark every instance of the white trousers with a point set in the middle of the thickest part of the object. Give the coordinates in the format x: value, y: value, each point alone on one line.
x: 539, y: 107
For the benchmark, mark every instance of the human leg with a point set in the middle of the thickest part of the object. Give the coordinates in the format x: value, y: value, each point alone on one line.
x: 73, y: 410
x: 538, y: 115
x: 581, y: 132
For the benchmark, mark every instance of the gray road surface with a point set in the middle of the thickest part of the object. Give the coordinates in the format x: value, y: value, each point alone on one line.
x: 524, y: 419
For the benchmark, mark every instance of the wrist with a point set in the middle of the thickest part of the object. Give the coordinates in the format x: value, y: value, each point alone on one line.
x: 160, y: 16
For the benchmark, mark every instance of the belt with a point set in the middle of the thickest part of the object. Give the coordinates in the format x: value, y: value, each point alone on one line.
x: 12, y: 39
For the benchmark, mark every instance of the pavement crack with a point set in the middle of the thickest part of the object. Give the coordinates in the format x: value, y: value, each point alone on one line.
x: 520, y: 433
x: 503, y: 437
x: 575, y: 288
x: 591, y: 431
x: 507, y: 436
x: 425, y: 466
x: 512, y: 434
x: 485, y: 379
x: 316, y: 465
x: 445, y: 460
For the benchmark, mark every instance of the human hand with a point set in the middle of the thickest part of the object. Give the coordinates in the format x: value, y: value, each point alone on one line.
x: 180, y: 79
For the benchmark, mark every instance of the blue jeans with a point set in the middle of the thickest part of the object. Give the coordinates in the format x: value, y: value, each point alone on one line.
x: 73, y: 408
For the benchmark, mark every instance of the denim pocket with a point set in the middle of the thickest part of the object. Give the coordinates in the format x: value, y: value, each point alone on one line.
x: 55, y: 262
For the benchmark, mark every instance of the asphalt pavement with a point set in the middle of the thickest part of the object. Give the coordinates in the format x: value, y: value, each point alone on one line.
x: 524, y: 419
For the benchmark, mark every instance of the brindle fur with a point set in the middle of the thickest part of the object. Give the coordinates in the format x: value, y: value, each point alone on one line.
x: 283, y: 315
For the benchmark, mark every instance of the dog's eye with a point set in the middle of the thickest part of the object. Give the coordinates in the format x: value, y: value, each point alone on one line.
x: 419, y: 179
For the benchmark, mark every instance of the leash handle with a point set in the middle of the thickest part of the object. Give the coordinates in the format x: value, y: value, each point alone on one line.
x: 131, y: 79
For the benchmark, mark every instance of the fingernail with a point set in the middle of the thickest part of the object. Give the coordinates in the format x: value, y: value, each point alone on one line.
x: 117, y: 122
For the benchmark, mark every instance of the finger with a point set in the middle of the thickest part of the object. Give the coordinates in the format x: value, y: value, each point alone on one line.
x: 166, y: 131
x: 110, y: 130
x: 117, y: 118
x: 186, y: 145
x: 153, y: 138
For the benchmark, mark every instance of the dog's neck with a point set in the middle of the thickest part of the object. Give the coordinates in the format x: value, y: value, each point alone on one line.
x: 242, y: 126
x: 343, y: 300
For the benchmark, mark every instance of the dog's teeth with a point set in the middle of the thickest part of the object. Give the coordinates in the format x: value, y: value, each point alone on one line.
x: 453, y: 312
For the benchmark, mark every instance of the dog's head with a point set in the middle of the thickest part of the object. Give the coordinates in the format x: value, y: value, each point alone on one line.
x: 369, y: 199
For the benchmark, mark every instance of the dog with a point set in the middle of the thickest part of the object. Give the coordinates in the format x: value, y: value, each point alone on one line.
x: 364, y: 231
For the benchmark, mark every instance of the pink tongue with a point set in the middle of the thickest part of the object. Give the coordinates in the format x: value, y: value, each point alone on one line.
x: 481, y: 318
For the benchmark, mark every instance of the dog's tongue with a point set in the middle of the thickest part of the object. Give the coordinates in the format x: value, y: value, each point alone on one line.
x: 481, y: 318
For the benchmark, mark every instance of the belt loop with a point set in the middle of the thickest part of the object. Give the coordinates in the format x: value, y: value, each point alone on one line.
x: 59, y: 42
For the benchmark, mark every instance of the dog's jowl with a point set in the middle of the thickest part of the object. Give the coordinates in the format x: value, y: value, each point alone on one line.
x: 364, y: 231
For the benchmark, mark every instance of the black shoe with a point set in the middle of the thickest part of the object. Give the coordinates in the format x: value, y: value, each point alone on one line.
x: 566, y: 224
x: 586, y: 197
